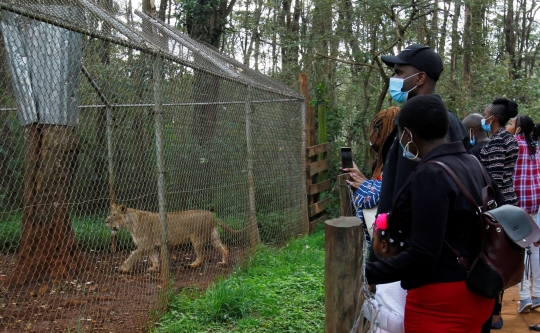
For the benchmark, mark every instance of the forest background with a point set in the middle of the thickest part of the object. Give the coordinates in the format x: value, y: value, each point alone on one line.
x: 490, y: 49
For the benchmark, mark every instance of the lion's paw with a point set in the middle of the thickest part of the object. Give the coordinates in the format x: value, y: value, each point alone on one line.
x: 123, y: 269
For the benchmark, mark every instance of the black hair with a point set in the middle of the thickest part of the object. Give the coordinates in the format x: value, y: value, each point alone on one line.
x: 426, y: 116
x: 536, y: 132
x: 527, y: 128
x: 503, y: 109
x: 393, y: 236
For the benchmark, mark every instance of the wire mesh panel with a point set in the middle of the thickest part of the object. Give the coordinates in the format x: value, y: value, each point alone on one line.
x: 133, y: 159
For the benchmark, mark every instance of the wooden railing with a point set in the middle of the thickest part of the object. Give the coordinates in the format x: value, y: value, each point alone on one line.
x: 316, y: 163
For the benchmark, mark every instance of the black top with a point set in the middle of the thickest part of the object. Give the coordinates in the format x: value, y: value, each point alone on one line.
x: 429, y: 209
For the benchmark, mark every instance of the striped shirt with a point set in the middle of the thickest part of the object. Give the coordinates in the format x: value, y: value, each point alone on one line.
x: 527, y: 177
x: 499, y: 158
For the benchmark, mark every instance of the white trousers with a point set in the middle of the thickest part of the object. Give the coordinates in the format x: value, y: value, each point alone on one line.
x: 534, y: 275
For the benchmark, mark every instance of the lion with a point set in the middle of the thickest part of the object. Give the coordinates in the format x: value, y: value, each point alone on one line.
x: 196, y: 226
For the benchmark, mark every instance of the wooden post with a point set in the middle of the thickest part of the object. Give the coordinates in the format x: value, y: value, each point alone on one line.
x: 323, y: 137
x: 343, y: 274
x: 344, y: 195
x: 311, y: 140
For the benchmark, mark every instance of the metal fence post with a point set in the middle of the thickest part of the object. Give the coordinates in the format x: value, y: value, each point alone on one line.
x: 254, y: 239
x: 158, y: 117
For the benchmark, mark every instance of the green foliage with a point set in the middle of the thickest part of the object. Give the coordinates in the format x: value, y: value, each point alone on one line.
x: 92, y: 234
x: 277, y: 291
x: 275, y: 228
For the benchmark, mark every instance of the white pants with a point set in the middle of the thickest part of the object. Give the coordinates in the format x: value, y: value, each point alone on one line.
x: 525, y: 286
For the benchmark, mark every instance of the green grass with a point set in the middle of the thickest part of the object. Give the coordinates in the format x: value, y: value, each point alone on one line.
x: 91, y: 232
x: 276, y: 291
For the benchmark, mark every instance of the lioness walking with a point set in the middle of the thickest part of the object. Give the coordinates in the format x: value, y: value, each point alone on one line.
x: 197, y: 226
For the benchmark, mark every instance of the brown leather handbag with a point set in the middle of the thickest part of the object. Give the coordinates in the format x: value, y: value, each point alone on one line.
x: 506, y: 231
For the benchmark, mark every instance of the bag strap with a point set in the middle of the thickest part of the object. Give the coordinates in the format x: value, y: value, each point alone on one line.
x: 461, y: 260
x: 488, y: 193
x: 463, y: 189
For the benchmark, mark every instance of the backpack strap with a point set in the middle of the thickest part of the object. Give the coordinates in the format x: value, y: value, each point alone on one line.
x: 463, y: 189
x: 488, y: 193
x: 461, y: 260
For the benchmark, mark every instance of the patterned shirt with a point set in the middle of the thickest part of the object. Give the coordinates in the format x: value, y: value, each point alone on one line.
x: 499, y: 158
x: 366, y: 196
x: 527, y: 177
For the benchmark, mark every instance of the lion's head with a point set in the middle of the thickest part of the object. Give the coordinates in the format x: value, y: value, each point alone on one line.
x: 117, y: 219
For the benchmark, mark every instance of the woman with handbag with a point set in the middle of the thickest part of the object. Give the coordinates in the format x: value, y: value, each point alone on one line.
x: 499, y: 157
x: 366, y: 193
x: 434, y: 217
x: 526, y: 182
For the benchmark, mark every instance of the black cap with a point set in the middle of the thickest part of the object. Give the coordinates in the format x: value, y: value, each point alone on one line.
x: 422, y: 57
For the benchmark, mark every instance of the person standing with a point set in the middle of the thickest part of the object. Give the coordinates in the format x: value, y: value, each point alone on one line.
x: 499, y: 157
x: 478, y: 138
x: 432, y: 215
x: 366, y: 193
x: 526, y: 182
x: 417, y: 69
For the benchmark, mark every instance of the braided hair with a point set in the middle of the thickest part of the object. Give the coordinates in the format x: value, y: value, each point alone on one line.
x: 527, y: 129
x: 503, y: 109
x: 384, y: 122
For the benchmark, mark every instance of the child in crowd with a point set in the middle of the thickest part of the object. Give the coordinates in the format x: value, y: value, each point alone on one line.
x: 386, y: 310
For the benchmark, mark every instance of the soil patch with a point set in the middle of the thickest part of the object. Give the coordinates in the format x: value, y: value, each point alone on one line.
x: 101, y: 299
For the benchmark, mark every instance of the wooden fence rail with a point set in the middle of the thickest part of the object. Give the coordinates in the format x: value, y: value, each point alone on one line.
x: 317, y: 163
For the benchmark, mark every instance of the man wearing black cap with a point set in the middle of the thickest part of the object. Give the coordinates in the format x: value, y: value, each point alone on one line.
x: 417, y: 69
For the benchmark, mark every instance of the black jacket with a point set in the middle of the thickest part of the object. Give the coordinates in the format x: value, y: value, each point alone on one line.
x: 428, y: 210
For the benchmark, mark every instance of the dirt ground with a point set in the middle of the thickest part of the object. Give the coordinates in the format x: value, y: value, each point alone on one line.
x: 101, y: 300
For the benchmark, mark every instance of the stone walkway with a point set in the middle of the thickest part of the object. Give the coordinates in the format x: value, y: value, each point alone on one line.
x: 514, y: 322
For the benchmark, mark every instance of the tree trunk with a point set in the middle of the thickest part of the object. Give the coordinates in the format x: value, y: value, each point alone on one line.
x: 442, y: 38
x: 510, y: 40
x: 48, y: 246
x: 467, y: 48
x: 162, y: 10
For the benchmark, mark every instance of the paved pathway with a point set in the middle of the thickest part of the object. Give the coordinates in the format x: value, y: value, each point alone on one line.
x: 514, y: 322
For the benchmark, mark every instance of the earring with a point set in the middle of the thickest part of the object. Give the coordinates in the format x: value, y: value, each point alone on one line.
x: 407, y: 149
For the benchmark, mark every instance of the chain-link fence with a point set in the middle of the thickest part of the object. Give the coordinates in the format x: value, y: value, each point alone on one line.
x: 119, y: 134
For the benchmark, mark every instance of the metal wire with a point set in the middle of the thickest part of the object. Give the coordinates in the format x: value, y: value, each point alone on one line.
x: 194, y: 157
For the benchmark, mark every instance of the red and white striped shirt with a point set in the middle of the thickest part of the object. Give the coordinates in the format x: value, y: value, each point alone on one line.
x: 527, y: 177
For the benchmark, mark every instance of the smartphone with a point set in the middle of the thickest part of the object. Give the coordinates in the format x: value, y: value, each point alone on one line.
x: 346, y: 157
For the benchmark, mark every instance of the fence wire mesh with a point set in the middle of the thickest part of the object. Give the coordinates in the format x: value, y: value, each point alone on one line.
x: 118, y: 135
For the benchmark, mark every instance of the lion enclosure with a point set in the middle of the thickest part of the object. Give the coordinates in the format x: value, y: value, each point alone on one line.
x: 104, y: 106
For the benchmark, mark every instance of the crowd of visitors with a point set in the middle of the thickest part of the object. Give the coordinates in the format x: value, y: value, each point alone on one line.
x: 422, y: 215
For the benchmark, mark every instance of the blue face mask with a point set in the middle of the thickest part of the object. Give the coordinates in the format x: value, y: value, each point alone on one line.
x: 396, y: 84
x: 486, y: 127
x: 472, y: 139
x: 406, y: 153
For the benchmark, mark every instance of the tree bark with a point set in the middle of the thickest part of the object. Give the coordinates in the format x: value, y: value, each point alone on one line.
x: 510, y: 40
x: 48, y: 246
x: 162, y: 10
x: 467, y: 48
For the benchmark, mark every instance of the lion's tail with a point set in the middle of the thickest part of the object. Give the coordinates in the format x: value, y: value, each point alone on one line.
x: 229, y: 229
